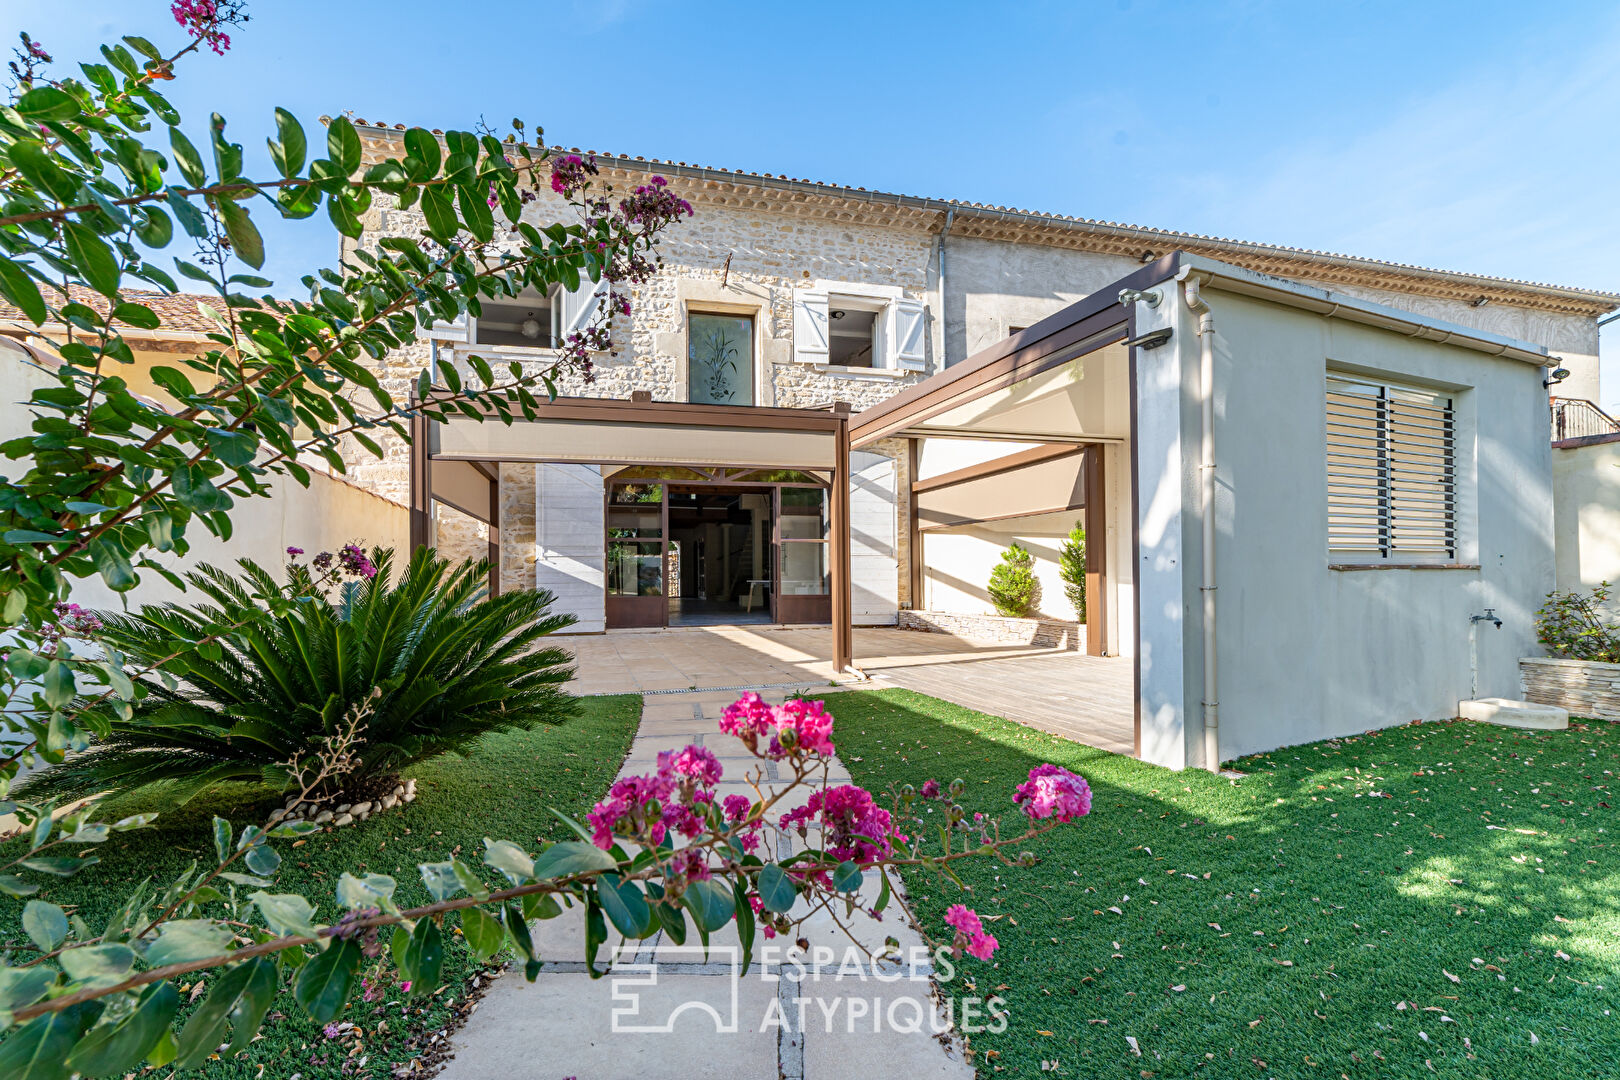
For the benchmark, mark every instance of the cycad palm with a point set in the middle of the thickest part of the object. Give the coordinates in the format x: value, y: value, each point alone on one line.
x: 451, y: 664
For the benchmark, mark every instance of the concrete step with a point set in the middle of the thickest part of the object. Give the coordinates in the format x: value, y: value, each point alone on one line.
x: 1518, y: 714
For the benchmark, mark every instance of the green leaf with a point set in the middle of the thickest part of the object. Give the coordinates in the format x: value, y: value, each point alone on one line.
x: 20, y: 289
x: 483, y: 932
x: 776, y: 890
x: 93, y: 258
x: 234, y: 448
x: 137, y: 315
x: 324, y: 983
x: 846, y: 876
x: 425, y: 957
x: 240, y: 997
x: 440, y: 879
x: 470, y: 881
x: 246, y: 243
x: 745, y: 922
x: 423, y: 146
x: 45, y: 924
x: 160, y: 530
x: 441, y: 218
x: 371, y: 891
x: 222, y: 838
x: 287, y: 914
x: 710, y: 903
x: 115, y: 1048
x: 509, y: 859
x: 142, y: 46
x: 187, y: 158
x: 59, y: 684
x: 343, y: 145
x: 47, y: 103
x: 263, y: 861
x: 38, y: 1050
x: 12, y: 885
x: 571, y: 857
x: 290, y: 148
x: 181, y: 940
x: 518, y: 931
x: 154, y: 227
x: 112, y: 564
x: 23, y: 986
x: 191, y: 219
x: 100, y: 965
x: 625, y: 907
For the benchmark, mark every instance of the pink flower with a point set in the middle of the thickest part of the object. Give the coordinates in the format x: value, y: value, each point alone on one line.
x: 1053, y: 792
x: 694, y: 762
x: 853, y: 826
x: 294, y: 552
x: 970, y: 934
x: 810, y: 725
x: 930, y: 789
x: 569, y: 173
x: 356, y: 562
x: 736, y: 807
x: 683, y: 819
x: 747, y: 716
x: 405, y: 986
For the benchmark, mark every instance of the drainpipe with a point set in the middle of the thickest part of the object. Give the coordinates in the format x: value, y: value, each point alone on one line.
x: 950, y: 216
x: 1206, y: 513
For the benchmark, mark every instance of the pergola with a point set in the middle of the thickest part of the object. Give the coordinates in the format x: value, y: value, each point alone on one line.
x: 457, y: 462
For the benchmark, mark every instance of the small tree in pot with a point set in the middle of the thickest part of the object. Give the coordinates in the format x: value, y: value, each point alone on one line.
x: 1072, y: 569
x: 1013, y: 587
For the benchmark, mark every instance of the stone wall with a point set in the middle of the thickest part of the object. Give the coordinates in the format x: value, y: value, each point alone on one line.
x: 998, y: 629
x: 1584, y: 687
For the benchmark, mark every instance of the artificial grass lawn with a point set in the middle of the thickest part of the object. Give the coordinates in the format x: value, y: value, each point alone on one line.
x: 1274, y: 926
x: 503, y: 789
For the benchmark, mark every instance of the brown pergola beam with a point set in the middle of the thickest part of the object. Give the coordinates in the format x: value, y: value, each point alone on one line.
x: 1097, y: 579
x: 842, y: 594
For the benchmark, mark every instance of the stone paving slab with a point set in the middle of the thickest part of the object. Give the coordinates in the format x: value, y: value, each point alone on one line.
x: 563, y: 1025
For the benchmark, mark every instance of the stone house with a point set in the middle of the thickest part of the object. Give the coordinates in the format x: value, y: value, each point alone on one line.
x: 790, y: 293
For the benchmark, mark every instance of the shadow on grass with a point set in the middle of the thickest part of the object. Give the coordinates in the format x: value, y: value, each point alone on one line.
x: 505, y: 788
x: 1272, y: 925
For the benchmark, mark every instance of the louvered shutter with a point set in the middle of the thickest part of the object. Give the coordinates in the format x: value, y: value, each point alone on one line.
x: 810, y: 328
x: 1391, y: 462
x: 906, y: 326
x: 577, y: 309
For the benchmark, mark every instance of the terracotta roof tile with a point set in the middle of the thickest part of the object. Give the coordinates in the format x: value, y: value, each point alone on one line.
x: 178, y: 311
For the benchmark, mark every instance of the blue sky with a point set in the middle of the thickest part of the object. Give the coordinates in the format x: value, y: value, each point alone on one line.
x: 1471, y: 136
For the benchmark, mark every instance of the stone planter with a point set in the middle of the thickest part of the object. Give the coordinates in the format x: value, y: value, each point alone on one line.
x: 1584, y: 687
x: 334, y: 814
x: 998, y: 629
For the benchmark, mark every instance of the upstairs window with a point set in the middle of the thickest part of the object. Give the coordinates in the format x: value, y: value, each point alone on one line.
x: 853, y: 326
x: 720, y: 359
x: 536, y: 320
x: 1391, y: 473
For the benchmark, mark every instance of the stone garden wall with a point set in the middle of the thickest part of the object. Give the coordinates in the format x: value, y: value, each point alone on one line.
x: 1584, y: 687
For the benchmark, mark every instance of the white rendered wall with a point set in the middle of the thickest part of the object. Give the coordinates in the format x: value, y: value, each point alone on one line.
x: 1308, y: 652
x: 1586, y: 500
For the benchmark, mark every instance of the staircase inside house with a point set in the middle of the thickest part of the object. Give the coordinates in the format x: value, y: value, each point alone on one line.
x: 1577, y: 418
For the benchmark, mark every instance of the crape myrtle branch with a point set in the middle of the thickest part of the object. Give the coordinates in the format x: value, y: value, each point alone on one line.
x: 569, y: 886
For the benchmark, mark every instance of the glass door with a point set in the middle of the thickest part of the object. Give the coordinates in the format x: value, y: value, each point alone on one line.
x: 804, y: 588
x: 635, y: 555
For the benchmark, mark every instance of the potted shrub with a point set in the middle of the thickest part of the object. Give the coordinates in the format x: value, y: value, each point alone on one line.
x: 1013, y: 586
x: 1582, y: 672
x: 1072, y: 569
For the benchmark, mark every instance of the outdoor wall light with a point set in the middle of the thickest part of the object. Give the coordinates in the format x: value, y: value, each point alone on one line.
x: 530, y: 328
x: 1150, y: 297
x: 1152, y: 339
x: 836, y: 314
x: 1559, y: 374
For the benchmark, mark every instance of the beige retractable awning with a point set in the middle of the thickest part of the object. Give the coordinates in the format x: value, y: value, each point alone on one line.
x: 1041, y: 481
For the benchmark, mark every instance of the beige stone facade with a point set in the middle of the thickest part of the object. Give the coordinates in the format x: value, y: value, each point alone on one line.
x: 1584, y: 687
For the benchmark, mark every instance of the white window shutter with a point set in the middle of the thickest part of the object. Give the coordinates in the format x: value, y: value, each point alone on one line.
x: 579, y: 307
x: 810, y: 328
x: 908, y: 347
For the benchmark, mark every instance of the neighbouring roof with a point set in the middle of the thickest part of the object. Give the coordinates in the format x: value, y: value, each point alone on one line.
x: 764, y: 191
x: 178, y: 311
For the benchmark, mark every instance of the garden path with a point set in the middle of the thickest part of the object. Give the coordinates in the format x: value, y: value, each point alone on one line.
x: 669, y: 1011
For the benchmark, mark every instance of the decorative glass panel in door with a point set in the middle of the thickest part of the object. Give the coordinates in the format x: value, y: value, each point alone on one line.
x: 805, y: 591
x: 720, y: 359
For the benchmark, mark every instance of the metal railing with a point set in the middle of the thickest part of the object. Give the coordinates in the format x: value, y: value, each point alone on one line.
x: 1576, y: 418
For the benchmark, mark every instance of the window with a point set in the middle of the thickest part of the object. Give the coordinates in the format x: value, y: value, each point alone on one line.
x: 720, y: 359
x: 1391, y: 472
x: 537, y: 320
x: 802, y: 529
x: 850, y: 325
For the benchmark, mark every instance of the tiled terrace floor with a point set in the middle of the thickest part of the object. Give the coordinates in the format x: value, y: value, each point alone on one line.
x: 1084, y: 698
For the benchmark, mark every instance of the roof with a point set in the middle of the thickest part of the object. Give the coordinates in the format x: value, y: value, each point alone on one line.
x: 178, y: 312
x: 764, y: 191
